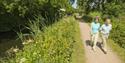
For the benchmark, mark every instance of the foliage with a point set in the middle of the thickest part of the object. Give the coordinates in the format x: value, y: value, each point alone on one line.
x: 90, y: 17
x: 28, y: 7
x: 111, y: 7
x: 118, y: 32
x: 23, y: 10
x: 52, y: 45
x: 94, y: 14
x: 116, y: 48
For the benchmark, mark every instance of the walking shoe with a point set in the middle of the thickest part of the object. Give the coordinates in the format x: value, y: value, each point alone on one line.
x: 93, y: 48
x: 105, y: 51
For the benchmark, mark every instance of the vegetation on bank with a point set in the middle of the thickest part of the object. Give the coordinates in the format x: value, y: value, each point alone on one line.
x: 58, y: 43
x: 117, y: 49
x: 78, y: 55
x: 117, y: 38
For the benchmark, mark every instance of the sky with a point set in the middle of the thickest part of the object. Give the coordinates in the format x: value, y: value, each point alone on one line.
x: 74, y: 3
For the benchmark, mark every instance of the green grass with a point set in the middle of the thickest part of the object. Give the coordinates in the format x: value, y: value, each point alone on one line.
x: 116, y: 48
x: 78, y: 54
x: 58, y: 43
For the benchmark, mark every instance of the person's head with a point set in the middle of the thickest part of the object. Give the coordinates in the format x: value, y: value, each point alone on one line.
x: 97, y: 19
x: 107, y: 21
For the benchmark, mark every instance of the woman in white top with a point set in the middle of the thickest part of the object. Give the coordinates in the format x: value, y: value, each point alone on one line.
x: 105, y: 31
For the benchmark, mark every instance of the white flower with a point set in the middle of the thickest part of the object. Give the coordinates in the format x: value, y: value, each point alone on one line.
x: 15, y: 50
x: 62, y: 9
x: 30, y: 40
x: 24, y: 43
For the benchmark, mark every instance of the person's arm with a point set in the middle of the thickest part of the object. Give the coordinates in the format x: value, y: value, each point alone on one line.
x: 102, y: 30
x: 110, y: 27
x: 101, y: 27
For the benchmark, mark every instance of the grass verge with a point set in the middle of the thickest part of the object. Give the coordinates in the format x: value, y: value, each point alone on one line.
x: 78, y: 54
x: 116, y: 48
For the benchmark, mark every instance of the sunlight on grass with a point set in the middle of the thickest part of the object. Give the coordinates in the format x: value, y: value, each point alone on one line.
x: 116, y: 48
x: 78, y: 54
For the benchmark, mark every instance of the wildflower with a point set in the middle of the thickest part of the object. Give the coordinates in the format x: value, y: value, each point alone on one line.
x: 30, y: 40
x: 62, y: 9
x: 22, y: 60
x: 24, y: 43
x: 15, y: 50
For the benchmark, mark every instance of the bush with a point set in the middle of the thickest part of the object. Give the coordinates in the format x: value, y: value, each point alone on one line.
x: 92, y: 15
x: 20, y: 11
x: 114, y: 9
x: 118, y: 32
x: 52, y: 45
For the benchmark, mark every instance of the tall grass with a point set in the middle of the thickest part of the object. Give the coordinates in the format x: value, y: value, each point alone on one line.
x: 53, y: 44
x: 117, y: 49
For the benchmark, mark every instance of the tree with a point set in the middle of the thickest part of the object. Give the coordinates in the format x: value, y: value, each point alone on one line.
x: 112, y: 7
x: 23, y: 10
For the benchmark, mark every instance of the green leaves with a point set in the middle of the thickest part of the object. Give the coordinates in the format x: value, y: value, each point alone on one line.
x: 23, y: 7
x: 118, y: 32
x: 111, y: 7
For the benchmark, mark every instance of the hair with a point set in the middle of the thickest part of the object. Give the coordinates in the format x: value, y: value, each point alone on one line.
x: 97, y: 17
x: 107, y: 19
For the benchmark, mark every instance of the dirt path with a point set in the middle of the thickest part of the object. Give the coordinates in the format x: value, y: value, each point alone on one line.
x: 97, y: 56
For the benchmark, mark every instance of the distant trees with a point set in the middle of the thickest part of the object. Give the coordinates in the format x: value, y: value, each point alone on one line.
x: 12, y: 11
x: 112, y: 7
x: 30, y: 7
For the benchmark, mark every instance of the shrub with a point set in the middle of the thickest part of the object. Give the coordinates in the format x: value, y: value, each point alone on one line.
x: 93, y: 14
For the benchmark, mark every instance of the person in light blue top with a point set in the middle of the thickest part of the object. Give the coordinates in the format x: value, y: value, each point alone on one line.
x: 95, y: 26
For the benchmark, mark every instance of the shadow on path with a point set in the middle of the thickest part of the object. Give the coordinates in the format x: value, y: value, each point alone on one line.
x: 99, y: 44
x: 88, y: 43
x: 101, y: 47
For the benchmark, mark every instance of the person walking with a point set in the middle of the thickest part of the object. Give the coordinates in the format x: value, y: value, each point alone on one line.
x: 95, y: 26
x: 105, y: 31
